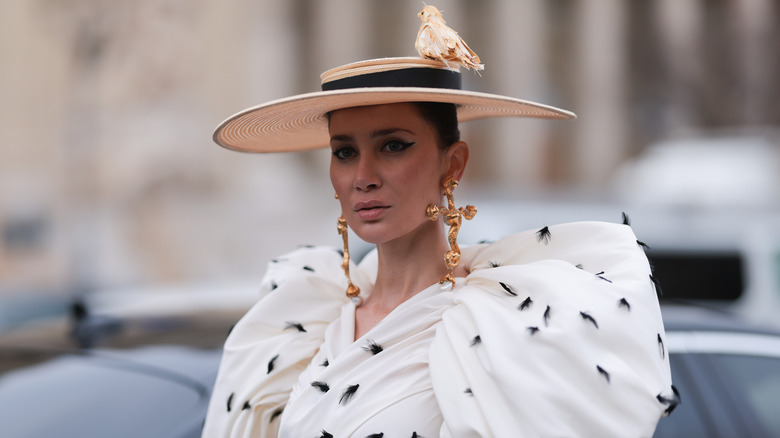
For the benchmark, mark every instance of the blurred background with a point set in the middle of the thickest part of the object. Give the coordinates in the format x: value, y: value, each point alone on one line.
x: 109, y: 181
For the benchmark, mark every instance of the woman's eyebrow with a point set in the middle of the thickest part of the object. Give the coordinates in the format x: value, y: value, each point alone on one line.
x: 374, y: 134
x: 388, y: 131
x: 341, y: 137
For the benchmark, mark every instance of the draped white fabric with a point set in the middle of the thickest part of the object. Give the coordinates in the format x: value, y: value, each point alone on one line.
x: 553, y: 333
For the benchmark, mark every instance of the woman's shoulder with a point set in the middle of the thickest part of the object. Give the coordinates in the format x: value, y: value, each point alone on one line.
x: 551, y: 323
x: 568, y: 241
x: 303, y: 287
x: 301, y: 294
x: 309, y: 262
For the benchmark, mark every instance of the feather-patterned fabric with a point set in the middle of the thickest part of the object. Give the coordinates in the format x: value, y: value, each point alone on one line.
x: 473, y: 361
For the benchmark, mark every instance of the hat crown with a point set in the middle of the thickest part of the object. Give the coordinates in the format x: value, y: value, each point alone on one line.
x: 392, y: 72
x: 380, y: 65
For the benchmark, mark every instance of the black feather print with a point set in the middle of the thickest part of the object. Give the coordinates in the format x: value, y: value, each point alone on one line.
x: 373, y: 347
x: 626, y: 219
x: 671, y: 403
x: 274, y: 285
x: 340, y: 252
x: 643, y: 245
x: 294, y: 325
x: 476, y: 340
x: 230, y: 401
x: 601, y: 276
x: 603, y: 372
x: 661, y: 348
x: 578, y: 266
x: 325, y: 434
x: 272, y: 363
x: 376, y: 435
x: 533, y: 330
x: 322, y: 386
x: 346, y: 397
x: 246, y: 406
x: 546, y: 316
x: 325, y: 363
x: 276, y: 415
x: 624, y: 303
x: 308, y: 268
x: 494, y: 264
x: 657, y: 285
x: 414, y: 435
x: 469, y: 392
x: 544, y: 235
x: 587, y: 317
x: 525, y: 304
x: 507, y: 288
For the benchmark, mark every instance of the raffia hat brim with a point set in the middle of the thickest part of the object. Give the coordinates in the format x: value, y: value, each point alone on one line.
x: 299, y: 122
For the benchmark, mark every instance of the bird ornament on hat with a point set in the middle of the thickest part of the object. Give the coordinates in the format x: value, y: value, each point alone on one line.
x: 436, y: 40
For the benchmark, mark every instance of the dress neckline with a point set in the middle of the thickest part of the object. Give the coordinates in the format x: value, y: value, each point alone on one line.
x: 347, y: 335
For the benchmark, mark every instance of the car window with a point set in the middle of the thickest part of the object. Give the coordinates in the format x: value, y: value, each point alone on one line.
x: 688, y: 419
x: 776, y: 270
x: 754, y: 382
x: 709, y: 275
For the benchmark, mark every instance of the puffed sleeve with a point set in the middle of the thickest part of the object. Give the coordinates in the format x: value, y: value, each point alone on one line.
x: 556, y: 333
x: 274, y: 342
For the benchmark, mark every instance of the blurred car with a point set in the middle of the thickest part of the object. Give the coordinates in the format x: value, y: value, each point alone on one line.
x: 135, y: 373
x: 145, y: 392
x: 727, y: 372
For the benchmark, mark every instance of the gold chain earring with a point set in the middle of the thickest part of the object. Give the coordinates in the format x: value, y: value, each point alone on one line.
x: 353, y: 292
x: 453, y: 217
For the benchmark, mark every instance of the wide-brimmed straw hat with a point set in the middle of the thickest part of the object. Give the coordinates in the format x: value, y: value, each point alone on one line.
x: 299, y: 122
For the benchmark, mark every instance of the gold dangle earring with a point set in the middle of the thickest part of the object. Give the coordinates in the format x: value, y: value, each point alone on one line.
x: 353, y: 292
x: 453, y: 217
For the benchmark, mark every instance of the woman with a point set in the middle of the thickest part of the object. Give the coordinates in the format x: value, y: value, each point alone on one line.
x: 552, y: 332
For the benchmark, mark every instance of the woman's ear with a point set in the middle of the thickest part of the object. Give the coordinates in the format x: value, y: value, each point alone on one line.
x: 457, y: 157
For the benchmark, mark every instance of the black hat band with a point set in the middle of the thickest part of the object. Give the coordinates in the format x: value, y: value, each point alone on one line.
x: 421, y: 77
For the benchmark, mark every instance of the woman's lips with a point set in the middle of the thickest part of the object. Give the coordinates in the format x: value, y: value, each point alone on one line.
x: 369, y: 211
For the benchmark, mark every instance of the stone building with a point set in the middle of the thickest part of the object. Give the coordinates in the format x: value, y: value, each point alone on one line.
x: 108, y: 177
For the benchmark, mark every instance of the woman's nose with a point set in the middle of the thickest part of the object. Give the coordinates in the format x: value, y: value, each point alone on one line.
x: 366, y: 177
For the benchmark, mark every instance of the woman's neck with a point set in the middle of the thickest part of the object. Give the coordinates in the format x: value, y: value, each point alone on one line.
x: 406, y: 267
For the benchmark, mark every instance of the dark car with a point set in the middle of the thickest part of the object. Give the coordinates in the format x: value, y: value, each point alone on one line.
x: 93, y: 376
x: 727, y: 372
x: 157, y: 391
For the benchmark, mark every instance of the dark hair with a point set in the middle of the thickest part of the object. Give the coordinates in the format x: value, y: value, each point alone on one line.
x: 444, y: 119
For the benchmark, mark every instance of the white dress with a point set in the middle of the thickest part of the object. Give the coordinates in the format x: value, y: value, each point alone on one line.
x: 555, y: 332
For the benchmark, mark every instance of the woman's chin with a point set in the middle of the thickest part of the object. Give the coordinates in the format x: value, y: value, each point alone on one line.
x: 371, y: 236
x: 379, y: 232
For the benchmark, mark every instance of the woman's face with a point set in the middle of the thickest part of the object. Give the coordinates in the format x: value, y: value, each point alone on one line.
x: 386, y: 169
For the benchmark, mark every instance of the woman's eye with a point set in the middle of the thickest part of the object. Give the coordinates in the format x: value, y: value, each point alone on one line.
x: 343, y: 153
x: 396, y: 145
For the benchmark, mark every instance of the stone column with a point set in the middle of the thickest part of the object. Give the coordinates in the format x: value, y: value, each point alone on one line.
x: 340, y: 32
x: 758, y: 65
x: 515, y: 66
x: 602, y: 128
x: 680, y: 24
